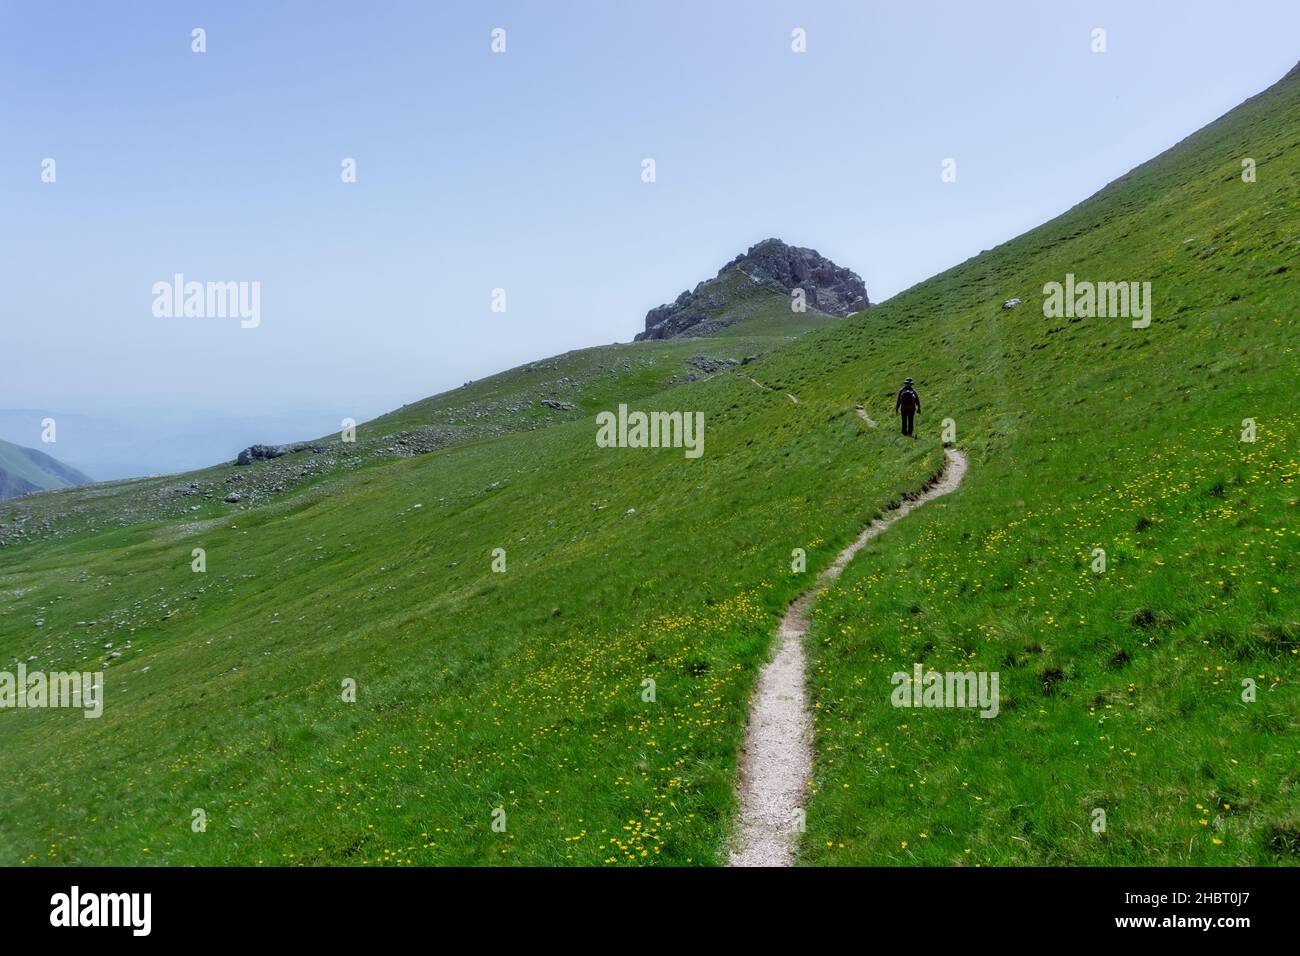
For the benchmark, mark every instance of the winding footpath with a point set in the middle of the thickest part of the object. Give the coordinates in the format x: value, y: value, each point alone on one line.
x: 776, y: 764
x: 769, y: 388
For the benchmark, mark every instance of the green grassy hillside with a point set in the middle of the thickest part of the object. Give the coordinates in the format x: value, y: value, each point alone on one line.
x: 1122, y: 691
x: 525, y: 691
x: 24, y: 470
x: 581, y: 382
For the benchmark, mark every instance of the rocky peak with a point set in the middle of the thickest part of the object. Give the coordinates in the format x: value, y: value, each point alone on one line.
x: 828, y: 288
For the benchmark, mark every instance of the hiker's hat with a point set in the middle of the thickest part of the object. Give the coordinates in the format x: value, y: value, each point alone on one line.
x: 907, y: 381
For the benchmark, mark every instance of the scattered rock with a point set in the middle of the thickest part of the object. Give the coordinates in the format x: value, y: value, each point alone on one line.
x: 710, y: 366
x: 266, y: 452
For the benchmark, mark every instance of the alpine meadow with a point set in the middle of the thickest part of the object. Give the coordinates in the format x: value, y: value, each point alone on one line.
x: 694, y: 600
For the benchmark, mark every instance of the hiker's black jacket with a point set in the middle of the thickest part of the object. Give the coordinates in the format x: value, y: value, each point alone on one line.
x: 908, y: 399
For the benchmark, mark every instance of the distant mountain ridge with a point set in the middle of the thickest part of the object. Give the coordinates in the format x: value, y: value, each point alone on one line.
x: 24, y: 470
x: 135, y: 443
x: 771, y: 265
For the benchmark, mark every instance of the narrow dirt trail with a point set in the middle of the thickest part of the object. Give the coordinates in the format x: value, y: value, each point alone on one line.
x: 862, y: 414
x: 769, y: 388
x: 777, y: 760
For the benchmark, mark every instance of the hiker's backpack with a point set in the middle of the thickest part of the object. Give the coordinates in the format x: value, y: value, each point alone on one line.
x: 908, y: 398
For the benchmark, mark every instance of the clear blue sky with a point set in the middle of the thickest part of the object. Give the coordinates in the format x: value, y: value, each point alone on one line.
x: 522, y: 170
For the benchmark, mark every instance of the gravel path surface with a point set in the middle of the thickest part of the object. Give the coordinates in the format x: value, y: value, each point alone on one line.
x: 776, y: 764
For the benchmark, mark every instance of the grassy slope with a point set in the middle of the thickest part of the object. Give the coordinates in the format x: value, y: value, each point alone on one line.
x: 603, y: 376
x: 473, y: 693
x: 461, y: 671
x: 523, y: 690
x: 1121, y: 690
x: 500, y: 404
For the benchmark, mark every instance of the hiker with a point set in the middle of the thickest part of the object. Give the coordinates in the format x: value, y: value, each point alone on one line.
x: 908, y: 404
